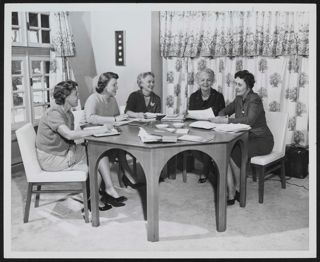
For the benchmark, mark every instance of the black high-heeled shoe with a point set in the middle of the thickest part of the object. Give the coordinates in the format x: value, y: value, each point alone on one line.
x: 127, y: 183
x: 231, y: 202
x: 202, y: 180
x: 112, y: 202
x: 105, y: 197
x: 101, y: 208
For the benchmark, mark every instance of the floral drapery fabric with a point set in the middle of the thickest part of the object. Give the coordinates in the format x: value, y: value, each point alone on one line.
x: 282, y: 83
x: 233, y: 33
x: 62, y: 47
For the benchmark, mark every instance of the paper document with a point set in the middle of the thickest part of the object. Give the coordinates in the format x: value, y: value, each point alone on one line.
x: 201, y: 114
x: 192, y: 138
x: 231, y: 127
x: 111, y: 132
x: 146, y: 137
x: 203, y: 124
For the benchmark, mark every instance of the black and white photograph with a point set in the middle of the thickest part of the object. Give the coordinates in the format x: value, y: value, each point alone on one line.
x: 140, y: 130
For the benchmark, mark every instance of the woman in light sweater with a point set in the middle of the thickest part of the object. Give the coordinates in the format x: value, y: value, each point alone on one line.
x: 101, y: 107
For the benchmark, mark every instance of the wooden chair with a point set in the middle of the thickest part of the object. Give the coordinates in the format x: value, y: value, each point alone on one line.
x: 266, y: 164
x: 26, y: 138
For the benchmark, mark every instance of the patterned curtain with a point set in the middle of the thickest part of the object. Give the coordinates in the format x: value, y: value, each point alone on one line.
x: 274, y: 46
x: 62, y: 47
x: 233, y: 33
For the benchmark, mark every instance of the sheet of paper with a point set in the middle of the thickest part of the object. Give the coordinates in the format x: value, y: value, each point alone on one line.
x: 231, y: 127
x: 203, y: 124
x: 201, y: 114
x: 192, y: 138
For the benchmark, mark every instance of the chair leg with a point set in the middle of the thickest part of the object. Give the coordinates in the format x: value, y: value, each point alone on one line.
x: 120, y: 175
x: 260, y: 170
x: 184, y: 166
x: 254, y: 174
x: 134, y: 164
x: 283, y: 176
x: 36, y: 203
x: 28, y: 201
x: 172, y: 168
x: 85, y: 201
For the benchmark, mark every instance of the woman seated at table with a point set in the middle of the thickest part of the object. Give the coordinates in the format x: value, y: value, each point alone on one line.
x: 143, y: 100
x: 101, y: 107
x: 248, y: 109
x: 55, y: 145
x: 206, y: 97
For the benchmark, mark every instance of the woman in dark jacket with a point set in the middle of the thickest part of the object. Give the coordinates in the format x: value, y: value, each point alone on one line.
x: 206, y: 97
x: 248, y: 109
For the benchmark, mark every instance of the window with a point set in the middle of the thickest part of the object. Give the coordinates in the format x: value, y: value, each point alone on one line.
x: 30, y: 65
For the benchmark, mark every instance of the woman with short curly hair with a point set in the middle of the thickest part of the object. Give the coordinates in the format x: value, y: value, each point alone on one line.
x: 56, y: 149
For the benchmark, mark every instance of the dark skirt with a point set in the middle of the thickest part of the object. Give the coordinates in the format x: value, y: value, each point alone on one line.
x: 257, y: 146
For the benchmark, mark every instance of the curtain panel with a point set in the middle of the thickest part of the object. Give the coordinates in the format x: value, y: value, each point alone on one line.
x: 282, y: 84
x: 233, y: 33
x: 62, y: 47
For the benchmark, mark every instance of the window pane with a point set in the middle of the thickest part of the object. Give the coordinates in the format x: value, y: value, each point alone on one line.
x: 15, y: 35
x: 36, y: 82
x: 17, y: 99
x: 45, y: 37
x: 18, y: 115
x: 33, y: 19
x: 36, y: 67
x: 17, y: 84
x: 46, y: 82
x: 15, y: 18
x: 45, y: 21
x: 47, y: 67
x: 38, y: 111
x: 16, y: 67
x: 33, y: 36
x: 40, y: 97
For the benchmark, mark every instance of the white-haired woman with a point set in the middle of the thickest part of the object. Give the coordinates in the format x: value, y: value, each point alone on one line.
x: 143, y: 100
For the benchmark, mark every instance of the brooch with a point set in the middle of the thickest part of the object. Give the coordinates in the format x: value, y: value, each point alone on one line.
x: 152, y: 104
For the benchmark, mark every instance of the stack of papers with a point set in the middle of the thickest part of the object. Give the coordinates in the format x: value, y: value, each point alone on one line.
x: 173, y: 118
x: 231, y: 127
x: 205, y: 114
x: 203, y: 124
x: 152, y: 115
x: 156, y: 135
x: 146, y: 137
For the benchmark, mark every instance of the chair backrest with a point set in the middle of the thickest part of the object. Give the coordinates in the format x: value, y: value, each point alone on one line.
x: 26, y: 137
x: 278, y: 123
x: 78, y: 118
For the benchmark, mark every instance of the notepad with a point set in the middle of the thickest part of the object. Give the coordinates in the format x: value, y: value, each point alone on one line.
x: 111, y: 132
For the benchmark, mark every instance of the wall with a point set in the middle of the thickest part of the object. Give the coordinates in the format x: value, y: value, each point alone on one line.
x: 83, y: 64
x: 137, y: 27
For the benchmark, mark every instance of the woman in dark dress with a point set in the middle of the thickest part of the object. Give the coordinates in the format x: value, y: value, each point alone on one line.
x: 204, y: 98
x: 143, y: 100
x: 248, y: 109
